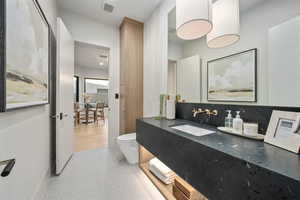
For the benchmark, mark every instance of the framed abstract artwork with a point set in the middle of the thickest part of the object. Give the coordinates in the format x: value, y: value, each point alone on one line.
x: 24, y: 55
x: 233, y: 78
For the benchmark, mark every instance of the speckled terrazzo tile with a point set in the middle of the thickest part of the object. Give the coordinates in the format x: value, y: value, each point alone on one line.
x: 99, y: 175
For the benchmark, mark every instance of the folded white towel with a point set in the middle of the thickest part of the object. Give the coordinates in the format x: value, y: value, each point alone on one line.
x: 165, y: 174
x: 161, y: 171
x: 167, y: 181
x: 160, y: 166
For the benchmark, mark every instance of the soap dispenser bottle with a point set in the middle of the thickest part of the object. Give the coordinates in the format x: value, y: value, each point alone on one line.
x: 238, y: 123
x: 229, y: 120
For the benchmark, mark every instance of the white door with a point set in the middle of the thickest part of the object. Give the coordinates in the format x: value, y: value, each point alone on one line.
x: 188, y: 79
x: 65, y: 101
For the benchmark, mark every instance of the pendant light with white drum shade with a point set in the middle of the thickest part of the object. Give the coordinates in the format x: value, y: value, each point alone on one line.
x: 226, y: 21
x: 193, y: 18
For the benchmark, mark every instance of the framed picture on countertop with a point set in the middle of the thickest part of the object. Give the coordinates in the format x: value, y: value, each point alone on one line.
x: 283, y: 130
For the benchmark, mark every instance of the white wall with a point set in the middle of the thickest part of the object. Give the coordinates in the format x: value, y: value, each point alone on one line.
x: 89, y: 31
x: 88, y: 72
x: 175, y: 51
x: 284, y: 62
x: 25, y: 135
x: 255, y: 24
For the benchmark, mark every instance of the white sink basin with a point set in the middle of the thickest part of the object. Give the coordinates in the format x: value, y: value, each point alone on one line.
x: 193, y: 130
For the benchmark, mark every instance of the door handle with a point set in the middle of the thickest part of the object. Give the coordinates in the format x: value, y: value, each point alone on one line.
x: 54, y: 116
x: 9, y: 165
x: 62, y: 115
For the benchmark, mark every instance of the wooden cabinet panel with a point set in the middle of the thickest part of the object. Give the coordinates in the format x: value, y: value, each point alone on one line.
x: 131, y: 74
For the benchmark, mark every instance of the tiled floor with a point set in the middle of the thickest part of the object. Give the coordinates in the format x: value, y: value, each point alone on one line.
x: 91, y: 136
x: 98, y: 175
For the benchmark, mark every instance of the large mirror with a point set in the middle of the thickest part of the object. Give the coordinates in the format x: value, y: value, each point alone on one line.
x: 184, y: 72
x: 262, y: 68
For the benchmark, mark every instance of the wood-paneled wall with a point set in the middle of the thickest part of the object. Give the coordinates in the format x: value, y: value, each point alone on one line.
x: 131, y: 74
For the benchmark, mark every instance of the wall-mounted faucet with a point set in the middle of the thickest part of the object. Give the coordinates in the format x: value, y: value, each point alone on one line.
x: 211, y: 112
x: 206, y: 111
x: 197, y: 111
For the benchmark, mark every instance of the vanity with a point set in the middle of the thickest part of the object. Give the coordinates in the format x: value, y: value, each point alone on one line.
x: 218, y: 165
x: 252, y: 78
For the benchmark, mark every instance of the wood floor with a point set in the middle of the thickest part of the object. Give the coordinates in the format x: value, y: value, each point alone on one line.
x: 91, y: 136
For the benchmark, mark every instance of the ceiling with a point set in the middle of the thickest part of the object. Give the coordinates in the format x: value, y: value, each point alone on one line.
x: 244, y: 6
x: 137, y: 9
x: 90, y: 56
x: 247, y: 4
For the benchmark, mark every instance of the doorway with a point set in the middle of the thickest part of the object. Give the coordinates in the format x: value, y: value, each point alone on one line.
x: 91, y: 89
x: 172, y: 77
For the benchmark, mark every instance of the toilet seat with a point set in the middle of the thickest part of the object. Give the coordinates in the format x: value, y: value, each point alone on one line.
x: 127, y: 137
x: 129, y: 147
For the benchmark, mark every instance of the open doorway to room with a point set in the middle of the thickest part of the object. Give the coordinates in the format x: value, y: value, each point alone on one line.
x: 91, y: 86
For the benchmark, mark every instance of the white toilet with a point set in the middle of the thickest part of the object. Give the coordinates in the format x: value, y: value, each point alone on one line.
x: 129, y: 147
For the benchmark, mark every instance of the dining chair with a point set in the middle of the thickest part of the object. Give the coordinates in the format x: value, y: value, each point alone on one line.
x: 76, y: 113
x: 99, y: 112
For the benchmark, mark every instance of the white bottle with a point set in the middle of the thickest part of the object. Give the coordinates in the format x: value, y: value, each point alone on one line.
x: 228, y: 120
x: 170, y: 109
x: 238, y: 123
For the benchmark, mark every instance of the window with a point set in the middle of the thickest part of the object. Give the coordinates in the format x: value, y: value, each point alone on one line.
x: 96, y: 91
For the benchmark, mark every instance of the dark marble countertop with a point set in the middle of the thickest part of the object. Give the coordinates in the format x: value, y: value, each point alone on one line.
x: 254, y: 152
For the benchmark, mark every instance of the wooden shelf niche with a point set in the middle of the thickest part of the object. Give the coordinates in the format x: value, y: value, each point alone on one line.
x: 166, y: 190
